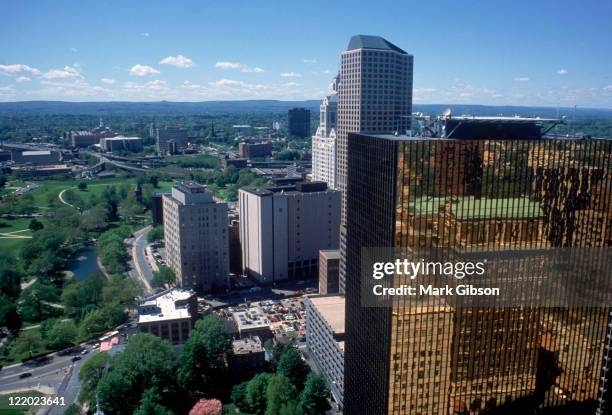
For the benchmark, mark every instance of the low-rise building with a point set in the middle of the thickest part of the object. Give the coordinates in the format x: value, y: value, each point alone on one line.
x: 238, y: 163
x: 247, y: 358
x: 325, y: 332
x: 121, y: 143
x: 47, y: 157
x: 252, y: 150
x: 169, y: 314
x: 252, y: 322
x: 329, y: 271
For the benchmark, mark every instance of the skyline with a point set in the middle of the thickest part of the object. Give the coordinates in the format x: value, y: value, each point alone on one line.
x: 552, y: 55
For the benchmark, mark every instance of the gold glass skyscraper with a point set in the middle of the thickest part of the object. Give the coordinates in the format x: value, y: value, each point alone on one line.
x: 474, y: 196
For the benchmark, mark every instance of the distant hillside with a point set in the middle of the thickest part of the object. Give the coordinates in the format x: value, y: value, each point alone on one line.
x: 262, y: 106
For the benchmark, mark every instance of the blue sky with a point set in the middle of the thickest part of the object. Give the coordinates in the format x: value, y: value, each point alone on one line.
x: 537, y: 52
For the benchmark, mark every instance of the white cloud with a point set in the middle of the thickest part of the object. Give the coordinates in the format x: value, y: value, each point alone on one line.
x: 67, y: 72
x: 608, y: 88
x: 145, y: 34
x: 310, y: 61
x: 23, y: 79
x: 18, y: 68
x: 108, y: 81
x: 521, y: 79
x: 74, y: 49
x: 326, y: 72
x: 562, y: 71
x: 179, y: 61
x: 237, y: 66
x: 143, y: 70
x: 290, y: 75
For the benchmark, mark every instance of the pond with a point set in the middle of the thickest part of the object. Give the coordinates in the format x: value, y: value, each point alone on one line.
x: 84, y: 263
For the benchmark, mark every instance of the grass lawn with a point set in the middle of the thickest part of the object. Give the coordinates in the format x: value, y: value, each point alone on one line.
x: 6, y: 409
x: 12, y: 242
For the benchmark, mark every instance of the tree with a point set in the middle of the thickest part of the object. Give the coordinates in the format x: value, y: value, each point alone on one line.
x: 35, y: 302
x: 94, y: 219
x: 9, y: 317
x: 35, y: 225
x: 239, y: 396
x: 150, y: 405
x: 10, y: 279
x: 165, y: 276
x: 256, y: 393
x: 292, y: 366
x: 90, y: 374
x: 62, y: 334
x: 314, y: 397
x: 279, y: 393
x: 207, y: 407
x: 82, y: 186
x: 28, y: 344
x: 202, y: 364
x: 146, y: 363
x: 156, y: 234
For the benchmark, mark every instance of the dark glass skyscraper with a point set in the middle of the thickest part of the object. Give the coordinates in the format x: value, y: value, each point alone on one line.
x: 474, y: 196
x: 299, y: 122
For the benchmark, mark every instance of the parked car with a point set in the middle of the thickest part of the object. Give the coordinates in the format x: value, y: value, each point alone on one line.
x: 25, y: 375
x: 76, y: 358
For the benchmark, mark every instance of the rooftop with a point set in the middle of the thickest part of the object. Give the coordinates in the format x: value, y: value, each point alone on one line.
x: 330, y: 253
x: 331, y: 309
x: 191, y: 187
x: 163, y: 306
x: 252, y: 318
x: 36, y: 153
x: 247, y: 345
x: 372, y: 42
x: 480, y: 208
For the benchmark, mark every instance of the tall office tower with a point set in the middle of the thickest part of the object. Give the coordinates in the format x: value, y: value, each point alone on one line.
x: 283, y: 228
x: 501, y: 198
x: 374, y: 95
x: 195, y: 231
x: 165, y: 134
x: 324, y: 141
x: 299, y: 122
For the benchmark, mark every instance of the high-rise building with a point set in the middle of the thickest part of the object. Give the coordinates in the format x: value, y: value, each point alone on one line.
x: 283, y: 228
x: 324, y: 141
x: 165, y: 134
x: 374, y: 95
x: 195, y: 231
x: 157, y: 208
x: 299, y: 122
x: 476, y: 197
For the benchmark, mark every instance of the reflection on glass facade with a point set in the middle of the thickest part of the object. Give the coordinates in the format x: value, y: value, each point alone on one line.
x: 431, y: 358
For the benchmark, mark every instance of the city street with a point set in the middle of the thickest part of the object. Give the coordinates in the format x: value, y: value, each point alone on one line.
x: 140, y: 269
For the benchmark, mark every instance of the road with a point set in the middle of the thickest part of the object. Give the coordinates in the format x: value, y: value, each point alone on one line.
x: 141, y: 270
x: 58, y: 377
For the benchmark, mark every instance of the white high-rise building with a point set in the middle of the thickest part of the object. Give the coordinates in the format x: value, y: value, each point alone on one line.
x: 324, y: 141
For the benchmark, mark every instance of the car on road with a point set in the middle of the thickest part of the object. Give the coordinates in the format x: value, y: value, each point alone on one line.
x: 25, y: 375
x: 76, y: 358
x: 85, y: 351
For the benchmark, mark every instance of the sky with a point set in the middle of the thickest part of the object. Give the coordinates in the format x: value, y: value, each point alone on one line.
x: 536, y: 52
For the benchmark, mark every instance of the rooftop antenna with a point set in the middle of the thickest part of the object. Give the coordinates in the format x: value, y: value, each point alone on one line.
x: 447, y: 113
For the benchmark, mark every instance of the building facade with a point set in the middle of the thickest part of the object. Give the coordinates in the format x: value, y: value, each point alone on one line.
x: 165, y: 134
x: 476, y: 196
x: 283, y: 228
x: 329, y: 271
x: 374, y: 95
x: 299, y: 122
x: 157, y: 208
x: 169, y: 314
x: 195, y: 232
x: 121, y: 143
x: 325, y: 335
x: 252, y: 150
x: 324, y: 142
